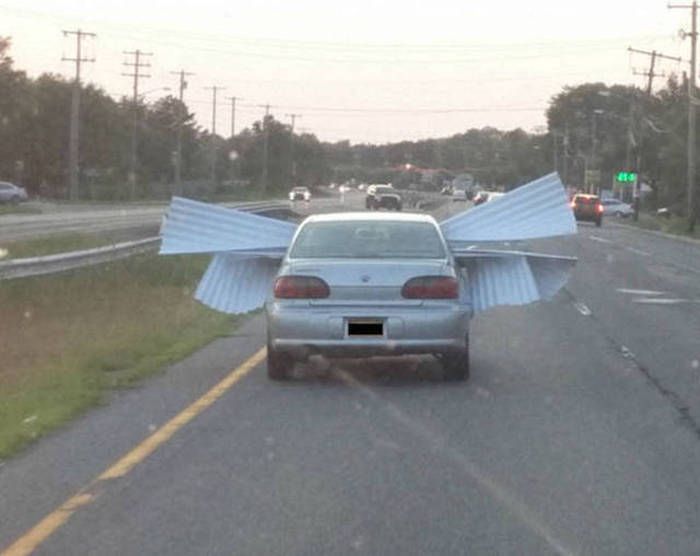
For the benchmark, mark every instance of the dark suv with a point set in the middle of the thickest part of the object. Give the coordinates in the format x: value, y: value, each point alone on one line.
x: 383, y: 196
x: 588, y: 207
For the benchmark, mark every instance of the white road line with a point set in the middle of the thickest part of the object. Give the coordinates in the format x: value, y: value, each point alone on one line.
x: 582, y: 308
x: 638, y: 251
x: 640, y: 292
x: 599, y: 239
x: 661, y: 301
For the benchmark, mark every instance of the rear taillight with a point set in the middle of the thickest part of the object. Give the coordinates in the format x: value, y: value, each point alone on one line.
x: 601, y: 209
x: 301, y: 287
x: 431, y: 287
x: 573, y: 205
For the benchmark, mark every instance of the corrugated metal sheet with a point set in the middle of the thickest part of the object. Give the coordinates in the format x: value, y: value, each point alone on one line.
x: 196, y: 227
x: 237, y: 284
x: 535, y: 210
x: 513, y: 278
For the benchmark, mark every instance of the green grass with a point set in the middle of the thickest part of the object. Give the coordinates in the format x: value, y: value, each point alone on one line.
x: 68, y: 339
x: 53, y: 244
x: 18, y: 209
x: 674, y: 225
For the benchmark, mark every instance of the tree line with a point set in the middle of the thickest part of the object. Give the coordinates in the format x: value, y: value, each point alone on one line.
x: 593, y: 131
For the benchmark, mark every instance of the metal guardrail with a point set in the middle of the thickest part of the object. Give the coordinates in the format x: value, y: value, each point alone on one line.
x: 61, y: 262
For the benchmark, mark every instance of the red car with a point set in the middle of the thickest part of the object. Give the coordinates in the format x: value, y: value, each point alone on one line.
x: 588, y: 207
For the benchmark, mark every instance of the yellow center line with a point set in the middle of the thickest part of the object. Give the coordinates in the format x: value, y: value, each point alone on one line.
x: 32, y: 539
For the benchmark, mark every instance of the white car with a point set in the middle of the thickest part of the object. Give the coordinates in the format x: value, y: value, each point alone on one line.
x: 615, y: 207
x: 459, y: 195
x: 300, y: 194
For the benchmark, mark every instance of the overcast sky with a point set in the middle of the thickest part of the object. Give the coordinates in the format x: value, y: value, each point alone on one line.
x: 360, y: 70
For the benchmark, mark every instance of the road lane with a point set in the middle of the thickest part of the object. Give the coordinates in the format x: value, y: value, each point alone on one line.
x: 562, y: 441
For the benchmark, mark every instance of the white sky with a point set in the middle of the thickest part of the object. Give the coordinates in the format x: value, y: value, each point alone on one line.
x: 394, y: 63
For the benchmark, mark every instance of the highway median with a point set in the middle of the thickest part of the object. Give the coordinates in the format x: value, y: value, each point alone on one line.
x: 68, y: 339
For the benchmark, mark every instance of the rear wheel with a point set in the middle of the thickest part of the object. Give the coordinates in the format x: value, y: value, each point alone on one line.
x: 456, y: 364
x: 599, y: 222
x: 279, y: 365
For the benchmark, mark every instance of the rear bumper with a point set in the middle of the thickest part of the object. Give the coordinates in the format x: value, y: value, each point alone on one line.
x: 307, y: 330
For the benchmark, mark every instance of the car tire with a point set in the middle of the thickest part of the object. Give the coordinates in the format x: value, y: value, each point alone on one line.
x: 14, y: 200
x: 599, y: 223
x: 456, y: 364
x: 279, y: 365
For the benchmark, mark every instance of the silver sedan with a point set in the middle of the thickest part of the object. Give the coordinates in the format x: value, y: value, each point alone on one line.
x: 359, y: 284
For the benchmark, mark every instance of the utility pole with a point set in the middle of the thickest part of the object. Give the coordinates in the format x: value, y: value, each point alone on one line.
x: 292, y: 165
x: 266, y: 141
x: 692, y: 110
x: 74, y: 137
x: 136, y: 64
x: 180, y: 123
x: 233, y: 114
x: 650, y: 75
x: 214, y: 91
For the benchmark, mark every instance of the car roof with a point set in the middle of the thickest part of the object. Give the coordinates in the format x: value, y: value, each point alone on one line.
x: 370, y: 216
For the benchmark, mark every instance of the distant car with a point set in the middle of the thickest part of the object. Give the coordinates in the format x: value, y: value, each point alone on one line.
x: 360, y: 284
x: 617, y: 208
x: 588, y: 208
x: 383, y: 196
x: 459, y: 195
x: 300, y: 194
x: 11, y: 193
x: 447, y: 190
x: 362, y: 187
x: 344, y: 188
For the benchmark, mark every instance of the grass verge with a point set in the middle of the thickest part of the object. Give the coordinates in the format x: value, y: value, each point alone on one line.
x: 18, y: 209
x: 68, y: 339
x: 674, y: 225
x: 54, y: 244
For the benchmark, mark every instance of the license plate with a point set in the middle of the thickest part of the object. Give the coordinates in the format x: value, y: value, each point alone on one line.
x: 365, y: 328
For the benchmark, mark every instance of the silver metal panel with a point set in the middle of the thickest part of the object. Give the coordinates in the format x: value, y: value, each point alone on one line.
x: 234, y: 283
x: 535, y: 210
x: 195, y: 227
x: 513, y: 278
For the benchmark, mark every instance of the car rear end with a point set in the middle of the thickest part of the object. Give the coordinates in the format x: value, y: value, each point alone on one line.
x: 588, y: 208
x: 404, y: 296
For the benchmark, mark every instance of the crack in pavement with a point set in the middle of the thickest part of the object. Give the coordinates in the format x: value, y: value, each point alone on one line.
x: 681, y: 407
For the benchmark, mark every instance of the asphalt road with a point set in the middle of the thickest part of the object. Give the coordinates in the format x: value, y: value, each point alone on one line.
x: 577, y: 434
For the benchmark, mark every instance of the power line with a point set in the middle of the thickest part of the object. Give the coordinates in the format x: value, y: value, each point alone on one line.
x: 654, y: 55
x: 74, y: 134
x: 136, y: 64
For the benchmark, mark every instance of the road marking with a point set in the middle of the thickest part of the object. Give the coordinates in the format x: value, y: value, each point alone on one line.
x: 599, y: 239
x: 582, y: 308
x: 637, y: 251
x: 38, y: 534
x: 661, y: 301
x: 640, y: 292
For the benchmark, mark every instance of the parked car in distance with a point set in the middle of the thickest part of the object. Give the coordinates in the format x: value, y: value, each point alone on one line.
x: 617, y: 207
x: 588, y: 208
x: 447, y: 190
x: 363, y: 284
x: 383, y: 196
x: 300, y: 194
x: 486, y: 196
x: 11, y: 193
x: 362, y: 187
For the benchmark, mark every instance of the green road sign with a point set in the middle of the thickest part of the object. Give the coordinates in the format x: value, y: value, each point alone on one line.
x: 626, y: 177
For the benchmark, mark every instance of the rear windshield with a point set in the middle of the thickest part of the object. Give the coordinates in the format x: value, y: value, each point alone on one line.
x: 586, y: 200
x: 368, y: 240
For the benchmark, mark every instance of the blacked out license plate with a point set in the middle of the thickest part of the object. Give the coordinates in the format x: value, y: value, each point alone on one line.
x: 365, y: 327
